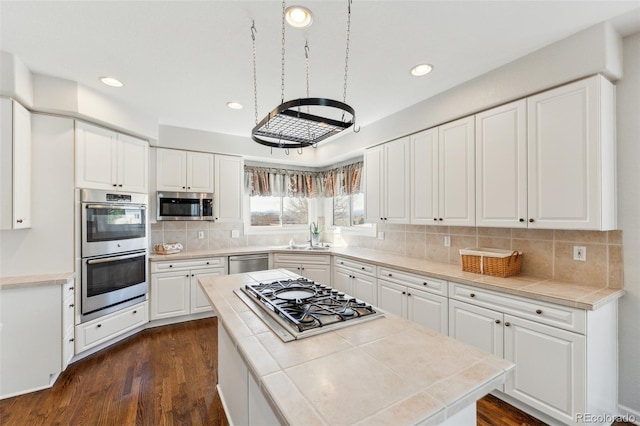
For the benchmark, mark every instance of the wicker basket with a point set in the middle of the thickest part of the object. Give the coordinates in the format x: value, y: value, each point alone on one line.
x: 494, y: 262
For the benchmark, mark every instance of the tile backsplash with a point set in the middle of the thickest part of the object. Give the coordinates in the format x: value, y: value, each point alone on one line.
x: 547, y: 253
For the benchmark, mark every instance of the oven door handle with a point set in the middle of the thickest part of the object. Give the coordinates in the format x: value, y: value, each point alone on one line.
x: 115, y: 206
x: 112, y: 259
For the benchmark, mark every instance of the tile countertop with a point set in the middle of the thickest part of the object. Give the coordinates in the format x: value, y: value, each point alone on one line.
x: 384, y: 371
x: 561, y: 293
x: 25, y: 281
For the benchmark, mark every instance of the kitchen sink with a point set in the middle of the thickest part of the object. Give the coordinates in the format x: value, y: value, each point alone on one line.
x: 306, y: 247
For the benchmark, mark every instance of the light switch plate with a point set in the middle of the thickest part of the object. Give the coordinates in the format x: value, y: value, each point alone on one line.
x: 200, y: 235
x: 580, y: 253
x: 235, y: 233
x: 447, y: 241
x: 381, y: 235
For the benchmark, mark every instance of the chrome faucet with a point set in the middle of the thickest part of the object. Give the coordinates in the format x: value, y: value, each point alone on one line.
x: 311, y: 227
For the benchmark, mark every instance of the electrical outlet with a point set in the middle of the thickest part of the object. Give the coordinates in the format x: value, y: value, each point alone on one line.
x: 200, y: 235
x: 235, y: 233
x: 580, y: 253
x: 381, y: 235
x: 447, y: 241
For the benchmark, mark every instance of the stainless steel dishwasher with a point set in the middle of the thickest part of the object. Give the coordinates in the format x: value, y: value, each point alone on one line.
x: 248, y: 263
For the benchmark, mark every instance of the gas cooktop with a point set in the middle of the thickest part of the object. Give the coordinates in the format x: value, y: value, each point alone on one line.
x: 298, y: 308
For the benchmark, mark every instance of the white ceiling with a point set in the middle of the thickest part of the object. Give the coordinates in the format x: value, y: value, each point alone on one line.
x: 184, y: 60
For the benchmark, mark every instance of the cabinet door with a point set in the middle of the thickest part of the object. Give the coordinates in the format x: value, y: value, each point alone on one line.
x: 365, y: 288
x: 568, y: 157
x: 171, y: 170
x: 318, y: 273
x: 342, y: 281
x: 457, y: 197
x: 229, y: 188
x: 545, y: 355
x: 501, y: 166
x: 479, y: 327
x: 392, y: 298
x: 397, y: 182
x: 199, y: 300
x: 428, y: 310
x: 170, y: 294
x: 19, y: 193
x: 424, y: 177
x: 374, y: 184
x: 233, y: 380
x: 96, y: 157
x: 199, y: 172
x: 133, y: 164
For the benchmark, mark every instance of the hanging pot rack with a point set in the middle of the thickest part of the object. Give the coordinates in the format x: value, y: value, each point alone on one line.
x: 287, y: 126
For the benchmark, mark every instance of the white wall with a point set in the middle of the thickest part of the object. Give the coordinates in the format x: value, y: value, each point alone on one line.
x: 47, y: 247
x: 628, y: 114
x: 16, y: 80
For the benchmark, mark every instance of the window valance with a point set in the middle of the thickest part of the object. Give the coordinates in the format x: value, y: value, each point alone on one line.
x: 276, y: 182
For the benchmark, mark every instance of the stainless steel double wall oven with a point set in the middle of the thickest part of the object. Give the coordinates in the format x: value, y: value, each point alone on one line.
x: 114, y: 251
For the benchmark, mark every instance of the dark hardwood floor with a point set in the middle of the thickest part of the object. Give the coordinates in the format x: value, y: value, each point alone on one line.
x: 162, y: 376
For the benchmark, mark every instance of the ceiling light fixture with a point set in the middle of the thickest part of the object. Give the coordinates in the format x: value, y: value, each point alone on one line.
x: 235, y: 105
x: 422, y: 69
x: 287, y: 126
x: 110, y: 81
x: 298, y: 16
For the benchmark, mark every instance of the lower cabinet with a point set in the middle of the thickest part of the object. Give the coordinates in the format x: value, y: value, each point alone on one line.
x: 242, y: 399
x: 316, y: 267
x: 419, y: 299
x: 37, y: 336
x: 356, y: 279
x: 560, y: 370
x: 103, y: 329
x: 174, y: 286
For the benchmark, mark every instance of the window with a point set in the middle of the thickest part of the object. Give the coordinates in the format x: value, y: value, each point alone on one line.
x: 278, y: 211
x: 348, y: 210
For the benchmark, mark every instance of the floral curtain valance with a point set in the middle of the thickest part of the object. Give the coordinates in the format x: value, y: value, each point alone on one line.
x: 265, y: 181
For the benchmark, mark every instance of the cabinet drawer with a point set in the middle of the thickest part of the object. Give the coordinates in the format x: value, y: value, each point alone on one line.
x: 102, y: 329
x: 545, y: 313
x: 318, y: 259
x: 432, y: 285
x: 365, y: 268
x: 180, y: 265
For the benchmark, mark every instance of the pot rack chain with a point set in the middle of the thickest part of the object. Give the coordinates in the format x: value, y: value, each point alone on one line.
x: 282, y: 61
x: 255, y: 78
x: 346, y: 56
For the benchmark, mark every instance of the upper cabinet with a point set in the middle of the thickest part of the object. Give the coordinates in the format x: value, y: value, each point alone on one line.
x: 424, y: 177
x: 184, y: 171
x: 387, y: 182
x: 109, y: 160
x: 572, y: 157
x: 501, y: 166
x: 229, y: 188
x: 15, y: 167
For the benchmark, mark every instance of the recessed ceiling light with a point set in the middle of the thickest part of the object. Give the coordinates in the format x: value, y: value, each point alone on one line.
x: 234, y: 105
x: 421, y: 69
x: 110, y: 81
x: 298, y: 16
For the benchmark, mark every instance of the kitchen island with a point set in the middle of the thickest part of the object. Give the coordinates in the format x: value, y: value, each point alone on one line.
x: 384, y: 371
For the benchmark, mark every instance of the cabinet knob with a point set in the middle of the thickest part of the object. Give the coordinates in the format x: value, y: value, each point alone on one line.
x: 435, y: 219
x: 440, y: 219
x: 192, y: 275
x: 472, y: 295
x: 381, y: 218
x: 362, y: 268
x: 538, y: 311
x: 135, y: 312
x: 497, y: 321
x: 303, y: 269
x: 390, y: 275
x: 184, y: 187
x: 19, y: 220
x: 187, y: 275
x: 342, y: 263
x: 521, y: 220
x: 404, y: 292
x: 170, y: 266
x: 99, y: 325
x: 427, y: 284
x: 507, y: 324
x: 207, y: 263
x: 120, y: 185
x: 408, y: 294
x: 71, y: 305
x: 115, y: 185
x: 531, y: 220
x: 70, y: 288
x: 72, y: 339
x: 188, y: 187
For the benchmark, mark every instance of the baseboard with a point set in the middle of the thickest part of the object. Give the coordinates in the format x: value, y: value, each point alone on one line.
x: 629, y: 415
x: 527, y: 409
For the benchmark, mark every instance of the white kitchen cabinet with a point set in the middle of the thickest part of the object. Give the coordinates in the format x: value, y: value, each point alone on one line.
x: 572, y: 156
x: 184, y: 171
x: 572, y: 349
x: 387, y: 182
x: 229, y: 188
x: 443, y: 174
x: 419, y: 299
x: 109, y: 160
x: 501, y: 166
x: 175, y: 290
x: 356, y: 279
x: 15, y: 178
x: 35, y: 348
x: 316, y: 267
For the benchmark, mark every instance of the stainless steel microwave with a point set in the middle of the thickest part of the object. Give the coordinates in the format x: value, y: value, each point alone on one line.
x: 185, y: 206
